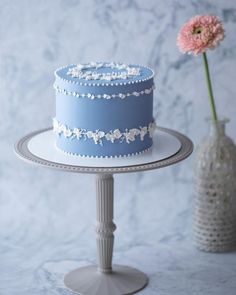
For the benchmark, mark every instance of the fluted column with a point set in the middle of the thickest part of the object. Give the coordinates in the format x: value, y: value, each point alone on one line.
x: 104, y: 224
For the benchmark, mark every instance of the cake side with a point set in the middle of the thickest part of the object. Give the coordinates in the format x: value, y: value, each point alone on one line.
x: 113, y: 118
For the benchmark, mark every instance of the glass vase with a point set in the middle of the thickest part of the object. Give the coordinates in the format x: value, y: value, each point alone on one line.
x: 215, y: 191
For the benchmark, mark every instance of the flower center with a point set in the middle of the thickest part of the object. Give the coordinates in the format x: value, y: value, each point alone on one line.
x: 197, y: 30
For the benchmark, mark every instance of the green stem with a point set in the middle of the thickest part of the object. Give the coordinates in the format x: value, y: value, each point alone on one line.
x: 209, y: 86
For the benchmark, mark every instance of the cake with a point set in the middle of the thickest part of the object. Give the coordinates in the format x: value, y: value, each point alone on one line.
x: 104, y: 109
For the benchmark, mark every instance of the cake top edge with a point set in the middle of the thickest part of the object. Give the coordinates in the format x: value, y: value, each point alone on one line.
x: 104, y: 73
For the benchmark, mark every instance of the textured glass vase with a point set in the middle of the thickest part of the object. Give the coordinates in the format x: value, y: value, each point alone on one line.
x: 215, y: 191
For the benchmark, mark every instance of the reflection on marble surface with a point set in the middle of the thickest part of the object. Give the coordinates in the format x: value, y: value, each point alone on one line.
x: 46, y: 216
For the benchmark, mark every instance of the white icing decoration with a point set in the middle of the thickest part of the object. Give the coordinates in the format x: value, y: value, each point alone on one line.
x: 143, y: 132
x: 88, y: 71
x: 104, y: 157
x: 117, y: 134
x: 124, y: 82
x: 98, y: 135
x: 151, y: 128
x: 67, y: 132
x: 131, y: 134
x: 106, y: 96
x: 78, y: 132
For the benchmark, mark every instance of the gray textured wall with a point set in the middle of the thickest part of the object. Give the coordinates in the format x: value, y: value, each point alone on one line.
x: 46, y: 216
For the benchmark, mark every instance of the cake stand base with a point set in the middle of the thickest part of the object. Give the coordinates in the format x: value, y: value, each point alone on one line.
x: 120, y: 281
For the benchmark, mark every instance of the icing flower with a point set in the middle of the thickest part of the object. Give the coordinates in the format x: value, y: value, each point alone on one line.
x: 133, y: 71
x: 86, y: 71
x: 57, y: 127
x: 143, y: 132
x: 151, y: 128
x: 55, y: 124
x: 110, y: 136
x: 117, y: 134
x: 200, y: 33
x: 89, y: 134
x: 78, y: 132
x: 130, y: 135
x: 97, y: 136
x: 67, y: 132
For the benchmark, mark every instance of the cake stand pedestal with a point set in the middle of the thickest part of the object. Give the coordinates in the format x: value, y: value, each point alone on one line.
x: 105, y: 279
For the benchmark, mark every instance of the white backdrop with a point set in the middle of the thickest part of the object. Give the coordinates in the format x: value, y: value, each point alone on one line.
x: 47, y: 217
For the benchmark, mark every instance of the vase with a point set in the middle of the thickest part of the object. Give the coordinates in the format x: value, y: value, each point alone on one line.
x: 215, y: 191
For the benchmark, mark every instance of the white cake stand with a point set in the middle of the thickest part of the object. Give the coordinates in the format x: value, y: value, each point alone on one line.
x: 104, y: 279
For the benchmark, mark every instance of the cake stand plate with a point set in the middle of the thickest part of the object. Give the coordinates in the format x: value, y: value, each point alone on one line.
x: 169, y: 147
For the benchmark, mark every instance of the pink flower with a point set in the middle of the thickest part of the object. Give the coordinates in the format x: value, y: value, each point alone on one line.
x: 202, y: 32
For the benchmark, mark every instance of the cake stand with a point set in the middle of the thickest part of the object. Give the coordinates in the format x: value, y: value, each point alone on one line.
x: 104, y: 279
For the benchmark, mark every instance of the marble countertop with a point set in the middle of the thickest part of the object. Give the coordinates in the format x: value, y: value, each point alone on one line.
x: 45, y: 236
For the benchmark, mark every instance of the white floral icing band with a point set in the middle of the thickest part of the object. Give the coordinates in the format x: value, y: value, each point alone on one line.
x: 98, y: 136
x: 84, y: 71
x: 106, y: 96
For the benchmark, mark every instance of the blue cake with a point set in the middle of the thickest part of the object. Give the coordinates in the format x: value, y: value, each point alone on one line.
x: 104, y: 109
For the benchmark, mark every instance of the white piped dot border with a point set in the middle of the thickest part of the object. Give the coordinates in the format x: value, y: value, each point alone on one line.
x: 104, y: 157
x: 104, y: 96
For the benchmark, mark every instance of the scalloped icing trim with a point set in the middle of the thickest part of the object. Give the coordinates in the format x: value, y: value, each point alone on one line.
x: 103, y: 84
x: 103, y: 157
x: 104, y: 96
